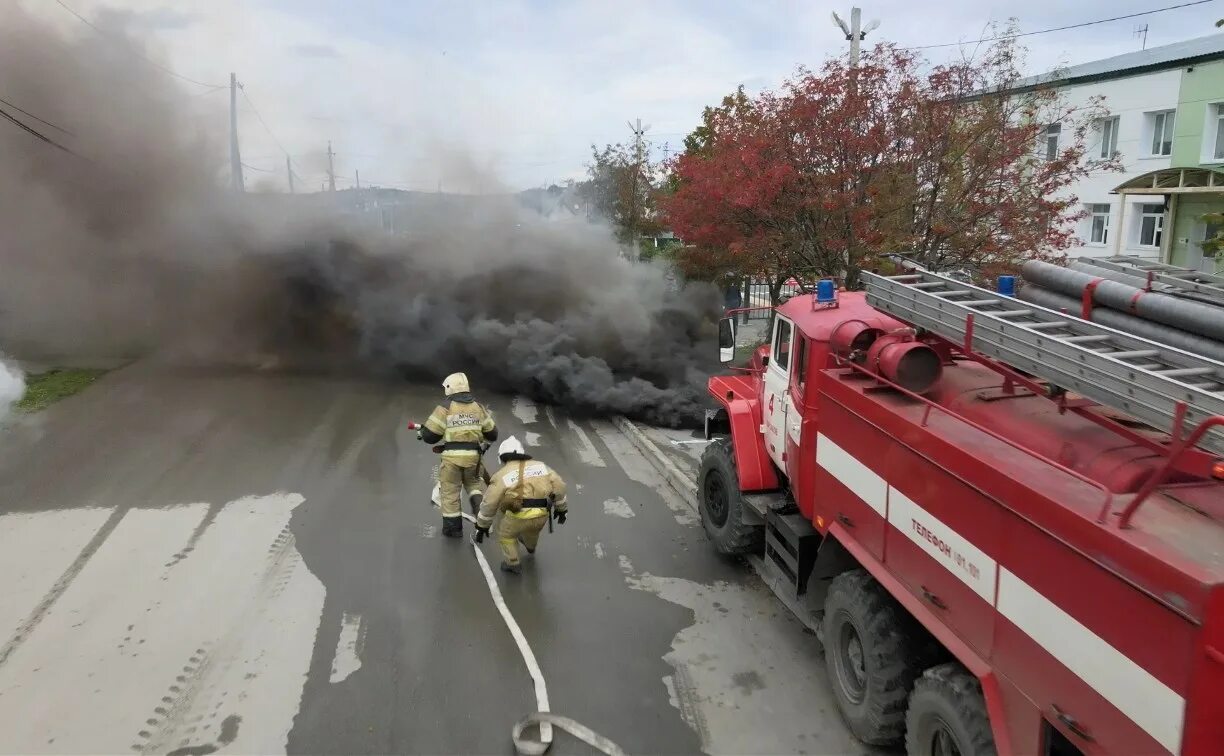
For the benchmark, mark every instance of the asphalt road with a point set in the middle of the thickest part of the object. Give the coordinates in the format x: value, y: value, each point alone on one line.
x: 195, y: 562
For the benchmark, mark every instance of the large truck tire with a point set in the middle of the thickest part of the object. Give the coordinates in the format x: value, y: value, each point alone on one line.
x: 872, y: 653
x: 723, y: 509
x: 947, y: 715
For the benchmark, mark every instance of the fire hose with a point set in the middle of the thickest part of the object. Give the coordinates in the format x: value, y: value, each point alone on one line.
x: 542, y: 719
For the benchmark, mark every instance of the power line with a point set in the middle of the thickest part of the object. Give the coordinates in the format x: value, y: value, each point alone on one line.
x: 150, y: 61
x: 36, y: 118
x: 267, y: 128
x: 1062, y: 28
x: 33, y: 132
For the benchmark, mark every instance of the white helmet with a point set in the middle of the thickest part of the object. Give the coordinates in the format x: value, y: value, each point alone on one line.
x: 456, y: 383
x: 511, y: 446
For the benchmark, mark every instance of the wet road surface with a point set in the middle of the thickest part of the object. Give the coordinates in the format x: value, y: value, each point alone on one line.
x: 212, y: 562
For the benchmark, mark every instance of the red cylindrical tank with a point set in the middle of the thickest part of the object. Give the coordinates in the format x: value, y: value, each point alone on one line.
x: 908, y: 363
x: 851, y: 336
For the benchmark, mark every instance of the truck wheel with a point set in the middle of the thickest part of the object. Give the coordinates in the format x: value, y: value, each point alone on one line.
x: 723, y: 508
x: 947, y: 715
x: 871, y: 648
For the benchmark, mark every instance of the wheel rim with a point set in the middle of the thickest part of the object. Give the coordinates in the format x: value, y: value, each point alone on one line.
x: 943, y: 742
x: 851, y: 662
x: 716, y: 498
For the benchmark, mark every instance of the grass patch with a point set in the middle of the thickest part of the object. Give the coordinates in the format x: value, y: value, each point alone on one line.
x: 45, y: 389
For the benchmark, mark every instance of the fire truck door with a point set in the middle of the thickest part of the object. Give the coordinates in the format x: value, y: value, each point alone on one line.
x: 777, y: 380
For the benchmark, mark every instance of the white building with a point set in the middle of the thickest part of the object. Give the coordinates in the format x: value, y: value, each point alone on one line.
x: 1166, y: 113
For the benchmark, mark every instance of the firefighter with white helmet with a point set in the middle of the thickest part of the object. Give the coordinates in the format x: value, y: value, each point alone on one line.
x: 461, y: 426
x: 528, y: 494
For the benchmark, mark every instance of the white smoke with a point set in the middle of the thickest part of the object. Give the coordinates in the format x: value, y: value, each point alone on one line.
x: 12, y: 386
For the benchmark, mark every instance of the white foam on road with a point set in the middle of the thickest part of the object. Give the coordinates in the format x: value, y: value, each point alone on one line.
x: 618, y: 507
x: 179, y: 631
x: 525, y: 410
x: 744, y: 654
x: 348, y: 648
x: 532, y: 439
x: 586, y: 450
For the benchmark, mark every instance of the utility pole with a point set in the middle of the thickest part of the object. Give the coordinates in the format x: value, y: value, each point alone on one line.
x: 289, y: 173
x: 1142, y: 31
x: 357, y: 173
x: 235, y: 157
x: 331, y: 168
x: 855, y: 32
x: 666, y: 151
x: 638, y: 133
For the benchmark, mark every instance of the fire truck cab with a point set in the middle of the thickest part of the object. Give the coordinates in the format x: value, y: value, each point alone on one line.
x: 996, y: 560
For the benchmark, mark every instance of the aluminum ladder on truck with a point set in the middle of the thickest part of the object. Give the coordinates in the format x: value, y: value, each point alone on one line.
x: 1149, y: 381
x: 1203, y: 286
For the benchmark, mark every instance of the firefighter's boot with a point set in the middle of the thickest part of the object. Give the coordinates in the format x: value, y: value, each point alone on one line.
x: 452, y: 527
x: 513, y: 569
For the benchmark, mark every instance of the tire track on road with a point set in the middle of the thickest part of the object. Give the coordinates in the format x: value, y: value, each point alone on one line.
x: 24, y: 630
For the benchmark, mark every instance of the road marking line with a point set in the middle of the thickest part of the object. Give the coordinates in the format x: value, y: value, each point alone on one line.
x: 525, y: 410
x: 23, y: 631
x: 618, y: 507
x: 586, y: 450
x: 348, y: 648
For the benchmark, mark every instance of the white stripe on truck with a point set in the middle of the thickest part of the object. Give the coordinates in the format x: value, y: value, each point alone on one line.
x: 943, y: 544
x: 1146, y: 701
x: 853, y: 474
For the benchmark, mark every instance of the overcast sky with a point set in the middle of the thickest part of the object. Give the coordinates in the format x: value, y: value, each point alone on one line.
x: 417, y: 93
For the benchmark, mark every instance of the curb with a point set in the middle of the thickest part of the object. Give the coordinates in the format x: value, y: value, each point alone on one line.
x: 679, y: 482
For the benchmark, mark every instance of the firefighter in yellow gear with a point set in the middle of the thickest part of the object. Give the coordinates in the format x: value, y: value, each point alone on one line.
x: 461, y: 425
x: 528, y: 494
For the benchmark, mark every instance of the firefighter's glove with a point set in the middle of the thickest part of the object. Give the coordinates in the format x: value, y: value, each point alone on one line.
x: 559, y: 517
x: 480, y: 534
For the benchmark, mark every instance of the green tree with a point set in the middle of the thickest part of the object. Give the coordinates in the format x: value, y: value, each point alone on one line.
x: 621, y: 188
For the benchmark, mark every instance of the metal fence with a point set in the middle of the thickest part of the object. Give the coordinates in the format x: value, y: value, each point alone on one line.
x: 755, y: 293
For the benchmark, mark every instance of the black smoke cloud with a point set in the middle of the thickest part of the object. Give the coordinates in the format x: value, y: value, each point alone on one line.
x: 131, y: 248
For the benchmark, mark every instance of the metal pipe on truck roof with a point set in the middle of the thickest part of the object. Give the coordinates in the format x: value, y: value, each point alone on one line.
x: 1194, y: 317
x: 1146, y: 329
x: 1136, y: 278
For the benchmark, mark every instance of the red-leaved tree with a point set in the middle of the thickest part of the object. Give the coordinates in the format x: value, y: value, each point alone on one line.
x: 946, y: 164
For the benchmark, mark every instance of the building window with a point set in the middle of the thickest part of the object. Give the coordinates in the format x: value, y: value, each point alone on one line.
x: 1218, y: 152
x: 1162, y: 132
x: 1051, y: 140
x: 1109, y: 137
x: 1211, y: 231
x: 1151, y: 225
x: 1099, y: 219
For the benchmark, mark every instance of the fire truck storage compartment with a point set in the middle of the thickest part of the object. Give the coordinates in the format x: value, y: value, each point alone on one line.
x: 849, y: 488
x: 1083, y: 642
x: 941, y: 543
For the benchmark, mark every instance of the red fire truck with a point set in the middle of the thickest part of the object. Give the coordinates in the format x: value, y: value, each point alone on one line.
x: 1005, y: 522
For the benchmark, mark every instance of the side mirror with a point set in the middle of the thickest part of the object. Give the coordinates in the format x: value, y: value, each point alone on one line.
x: 726, y: 340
